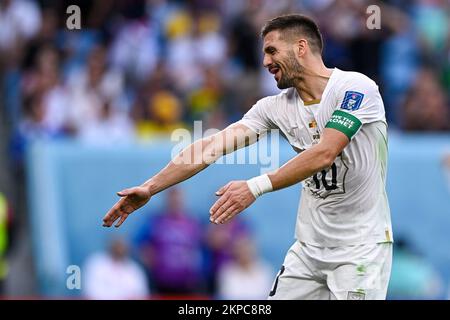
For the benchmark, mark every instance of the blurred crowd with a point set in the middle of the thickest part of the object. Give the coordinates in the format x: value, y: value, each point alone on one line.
x: 138, y: 69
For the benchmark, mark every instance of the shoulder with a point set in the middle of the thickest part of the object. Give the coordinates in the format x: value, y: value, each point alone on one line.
x: 276, y: 102
x: 348, y: 80
x: 353, y: 89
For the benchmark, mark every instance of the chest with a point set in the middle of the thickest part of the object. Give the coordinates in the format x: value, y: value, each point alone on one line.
x: 302, y: 125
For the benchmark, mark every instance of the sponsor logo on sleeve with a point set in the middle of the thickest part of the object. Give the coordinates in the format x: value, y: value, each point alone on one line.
x: 352, y: 100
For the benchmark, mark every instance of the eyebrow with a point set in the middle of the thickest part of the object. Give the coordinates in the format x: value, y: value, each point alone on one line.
x: 268, y: 49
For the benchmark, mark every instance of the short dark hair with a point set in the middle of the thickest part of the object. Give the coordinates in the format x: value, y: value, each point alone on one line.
x: 296, y: 24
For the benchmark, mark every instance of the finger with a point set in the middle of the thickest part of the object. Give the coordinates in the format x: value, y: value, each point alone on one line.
x: 223, y: 208
x: 122, y: 219
x: 223, y: 189
x: 126, y: 192
x: 109, y: 220
x: 233, y: 214
x: 124, y: 210
x: 224, y: 216
x: 105, y: 220
x: 108, y: 217
x: 112, y: 214
x: 219, y: 203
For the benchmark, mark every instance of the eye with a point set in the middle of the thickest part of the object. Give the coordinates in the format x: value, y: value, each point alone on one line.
x: 270, y: 50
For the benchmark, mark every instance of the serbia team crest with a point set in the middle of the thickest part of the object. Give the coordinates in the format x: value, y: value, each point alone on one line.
x: 352, y: 100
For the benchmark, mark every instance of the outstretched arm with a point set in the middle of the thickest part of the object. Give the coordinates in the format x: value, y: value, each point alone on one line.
x: 186, y: 164
x: 238, y: 195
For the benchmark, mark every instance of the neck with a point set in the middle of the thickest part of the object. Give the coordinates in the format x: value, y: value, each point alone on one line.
x: 314, y: 80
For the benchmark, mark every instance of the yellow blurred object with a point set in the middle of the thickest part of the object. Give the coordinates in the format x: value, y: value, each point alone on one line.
x: 149, y: 129
x: 203, y: 100
x: 165, y: 107
x: 166, y: 111
x: 179, y: 25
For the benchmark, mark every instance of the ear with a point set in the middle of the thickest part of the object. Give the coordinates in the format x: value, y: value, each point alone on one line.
x: 301, y: 46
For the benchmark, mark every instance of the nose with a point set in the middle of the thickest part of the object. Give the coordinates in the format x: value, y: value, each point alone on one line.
x: 267, y: 60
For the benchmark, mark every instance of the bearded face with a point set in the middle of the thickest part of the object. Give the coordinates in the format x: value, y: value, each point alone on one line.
x: 280, y: 60
x: 289, y: 71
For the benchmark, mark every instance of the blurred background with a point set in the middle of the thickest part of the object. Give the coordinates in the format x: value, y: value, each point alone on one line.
x: 85, y: 113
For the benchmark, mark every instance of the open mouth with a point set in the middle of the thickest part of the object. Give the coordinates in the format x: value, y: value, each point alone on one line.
x: 275, y: 71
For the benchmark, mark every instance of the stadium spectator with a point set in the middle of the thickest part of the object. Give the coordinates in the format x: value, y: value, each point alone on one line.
x: 114, y: 275
x: 208, y: 97
x: 219, y: 241
x: 45, y: 80
x: 111, y: 127
x: 426, y: 107
x: 163, y: 115
x: 135, y: 50
x: 247, y: 276
x: 20, y: 20
x: 400, y: 60
x: 92, y: 88
x: 171, y: 246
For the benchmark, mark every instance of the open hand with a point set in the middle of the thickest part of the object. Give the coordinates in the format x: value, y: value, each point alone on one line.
x: 132, y: 199
x: 234, y: 198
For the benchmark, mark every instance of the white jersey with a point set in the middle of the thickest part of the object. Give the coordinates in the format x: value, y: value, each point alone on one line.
x: 345, y: 204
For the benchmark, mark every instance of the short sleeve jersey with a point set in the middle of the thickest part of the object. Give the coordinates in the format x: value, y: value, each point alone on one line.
x: 345, y: 204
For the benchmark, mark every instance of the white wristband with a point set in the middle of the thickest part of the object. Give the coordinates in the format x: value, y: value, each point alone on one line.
x: 260, y: 185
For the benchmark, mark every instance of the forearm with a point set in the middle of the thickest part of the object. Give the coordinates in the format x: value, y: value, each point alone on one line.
x: 304, y: 165
x: 301, y: 167
x: 186, y: 164
x: 200, y: 155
